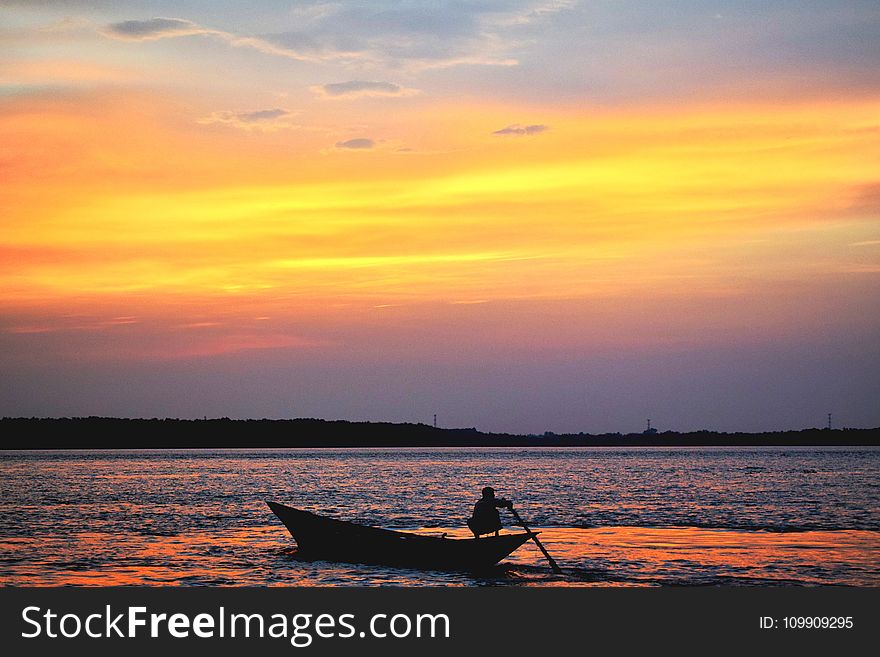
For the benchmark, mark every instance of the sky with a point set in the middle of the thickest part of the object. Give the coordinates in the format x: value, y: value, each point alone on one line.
x: 519, y: 215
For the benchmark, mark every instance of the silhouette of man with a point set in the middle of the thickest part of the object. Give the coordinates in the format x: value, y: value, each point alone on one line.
x: 485, y: 519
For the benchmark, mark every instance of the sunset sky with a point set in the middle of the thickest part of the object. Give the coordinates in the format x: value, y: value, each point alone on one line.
x: 519, y: 215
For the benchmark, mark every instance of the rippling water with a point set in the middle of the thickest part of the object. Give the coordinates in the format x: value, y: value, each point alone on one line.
x: 635, y: 516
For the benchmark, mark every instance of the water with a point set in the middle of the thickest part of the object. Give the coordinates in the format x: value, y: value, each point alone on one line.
x: 620, y: 517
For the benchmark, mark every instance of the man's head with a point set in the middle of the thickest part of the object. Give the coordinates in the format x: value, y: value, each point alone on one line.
x: 488, y: 492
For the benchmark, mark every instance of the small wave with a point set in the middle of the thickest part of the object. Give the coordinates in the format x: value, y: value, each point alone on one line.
x: 728, y: 580
x: 542, y: 573
x: 744, y: 527
x: 580, y: 575
x: 771, y: 527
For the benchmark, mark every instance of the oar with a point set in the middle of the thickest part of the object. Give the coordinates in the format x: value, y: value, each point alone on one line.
x: 553, y: 565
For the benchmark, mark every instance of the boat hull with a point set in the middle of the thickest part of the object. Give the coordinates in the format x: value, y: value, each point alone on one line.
x: 319, y: 537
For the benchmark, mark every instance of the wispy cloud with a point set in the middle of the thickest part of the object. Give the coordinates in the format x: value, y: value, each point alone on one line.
x: 156, y: 28
x: 360, y: 143
x: 360, y: 89
x: 168, y: 28
x: 530, y: 12
x: 410, y: 36
x: 262, y: 120
x: 517, y: 129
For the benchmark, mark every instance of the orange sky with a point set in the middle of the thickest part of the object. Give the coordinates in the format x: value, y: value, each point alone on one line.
x: 659, y: 201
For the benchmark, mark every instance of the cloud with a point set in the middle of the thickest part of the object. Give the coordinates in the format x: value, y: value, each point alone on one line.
x: 517, y: 129
x: 262, y: 120
x: 360, y: 89
x: 262, y: 115
x: 154, y: 28
x: 360, y: 143
x: 531, y: 12
x: 410, y: 36
x: 168, y: 28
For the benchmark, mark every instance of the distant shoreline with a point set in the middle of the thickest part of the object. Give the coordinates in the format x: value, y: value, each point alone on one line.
x: 120, y: 433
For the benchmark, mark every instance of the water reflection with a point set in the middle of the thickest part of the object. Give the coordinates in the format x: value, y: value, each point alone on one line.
x: 609, y: 556
x: 617, y: 517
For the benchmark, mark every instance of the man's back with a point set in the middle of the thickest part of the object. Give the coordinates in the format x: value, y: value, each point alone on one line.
x: 485, y: 518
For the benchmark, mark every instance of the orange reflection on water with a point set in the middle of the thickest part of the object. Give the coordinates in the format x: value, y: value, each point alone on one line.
x: 644, y: 556
x: 604, y: 556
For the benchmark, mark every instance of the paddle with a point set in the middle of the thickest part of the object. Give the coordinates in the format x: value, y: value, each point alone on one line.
x: 556, y: 568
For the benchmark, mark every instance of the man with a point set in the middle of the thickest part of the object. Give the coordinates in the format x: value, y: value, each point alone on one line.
x: 485, y: 519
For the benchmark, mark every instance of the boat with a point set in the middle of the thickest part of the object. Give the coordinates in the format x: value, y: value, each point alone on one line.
x: 329, y: 539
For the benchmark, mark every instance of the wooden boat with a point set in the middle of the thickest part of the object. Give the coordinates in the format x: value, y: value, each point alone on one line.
x: 338, y: 540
